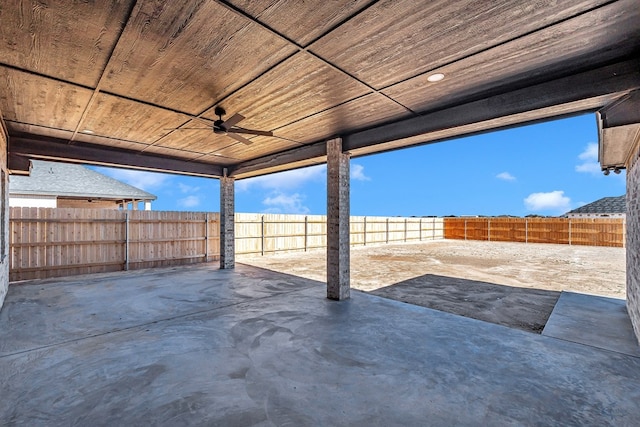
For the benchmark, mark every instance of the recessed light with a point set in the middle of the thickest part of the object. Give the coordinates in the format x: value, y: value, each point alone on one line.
x: 435, y: 77
x: 87, y: 131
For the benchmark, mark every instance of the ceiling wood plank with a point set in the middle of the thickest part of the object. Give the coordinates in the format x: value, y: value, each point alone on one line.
x: 301, y: 86
x: 186, y: 55
x: 356, y: 114
x: 59, y: 150
x: 567, y: 47
x: 32, y: 99
x: 395, y: 40
x: 301, y: 21
x: 68, y: 40
x: 124, y: 119
x: 16, y: 128
x: 260, y: 146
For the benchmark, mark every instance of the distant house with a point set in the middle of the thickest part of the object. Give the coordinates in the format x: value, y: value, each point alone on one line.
x: 65, y: 185
x: 607, y: 207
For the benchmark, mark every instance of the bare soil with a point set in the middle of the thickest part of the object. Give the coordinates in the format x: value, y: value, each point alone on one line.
x: 512, y: 284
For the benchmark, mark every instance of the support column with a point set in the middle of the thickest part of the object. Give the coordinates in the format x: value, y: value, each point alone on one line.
x: 4, y: 214
x: 338, y: 256
x: 633, y: 241
x: 227, y: 226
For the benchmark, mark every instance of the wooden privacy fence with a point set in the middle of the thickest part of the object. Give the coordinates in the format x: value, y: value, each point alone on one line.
x: 571, y: 231
x: 63, y: 242
x: 270, y: 233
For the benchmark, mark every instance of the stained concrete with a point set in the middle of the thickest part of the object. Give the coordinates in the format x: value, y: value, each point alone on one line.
x: 522, y: 308
x: 593, y: 320
x: 215, y: 350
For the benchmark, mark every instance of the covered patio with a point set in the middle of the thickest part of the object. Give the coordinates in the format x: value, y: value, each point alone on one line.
x: 236, y: 89
x: 203, y: 346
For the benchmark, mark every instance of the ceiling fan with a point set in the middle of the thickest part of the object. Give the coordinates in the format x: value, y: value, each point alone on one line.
x: 228, y: 127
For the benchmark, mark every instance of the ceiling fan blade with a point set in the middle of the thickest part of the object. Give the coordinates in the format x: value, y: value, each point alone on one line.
x: 251, y: 131
x: 231, y: 121
x: 188, y: 129
x: 239, y: 138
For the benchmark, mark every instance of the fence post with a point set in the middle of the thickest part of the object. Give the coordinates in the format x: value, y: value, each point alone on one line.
x: 387, y: 230
x: 206, y: 237
x: 526, y: 230
x: 126, y: 240
x: 569, y: 231
x: 262, y: 235
x: 365, y: 231
x: 405, y: 230
x: 420, y: 233
x: 465, y: 229
x: 489, y: 230
x: 306, y: 232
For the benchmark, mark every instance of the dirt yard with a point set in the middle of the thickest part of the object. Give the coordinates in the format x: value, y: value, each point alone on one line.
x: 511, y: 284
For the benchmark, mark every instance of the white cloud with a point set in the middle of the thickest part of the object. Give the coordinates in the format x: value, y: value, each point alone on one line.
x: 589, y: 158
x: 287, y: 180
x: 590, y: 152
x: 279, y: 202
x: 184, y: 188
x: 189, y: 202
x: 551, y: 201
x: 357, y: 173
x: 140, y: 179
x: 506, y: 176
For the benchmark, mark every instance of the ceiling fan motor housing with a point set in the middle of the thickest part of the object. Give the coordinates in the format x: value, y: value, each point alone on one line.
x: 218, y: 127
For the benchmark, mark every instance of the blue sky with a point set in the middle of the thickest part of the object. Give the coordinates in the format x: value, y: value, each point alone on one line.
x: 547, y: 169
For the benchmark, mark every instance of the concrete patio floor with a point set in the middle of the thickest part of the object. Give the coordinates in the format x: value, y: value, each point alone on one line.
x: 201, y: 346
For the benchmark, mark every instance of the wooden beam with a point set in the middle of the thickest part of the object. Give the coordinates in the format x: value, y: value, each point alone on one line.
x: 18, y: 165
x: 288, y: 157
x: 619, y: 77
x: 623, y: 112
x: 47, y: 148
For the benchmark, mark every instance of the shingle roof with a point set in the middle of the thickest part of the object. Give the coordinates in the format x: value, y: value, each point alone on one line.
x: 71, y: 180
x: 606, y: 205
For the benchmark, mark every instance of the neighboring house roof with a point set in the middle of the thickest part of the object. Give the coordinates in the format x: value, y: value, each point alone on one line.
x: 72, y: 180
x: 606, y: 205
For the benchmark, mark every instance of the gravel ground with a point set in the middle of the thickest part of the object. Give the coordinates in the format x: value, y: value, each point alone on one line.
x: 512, y: 284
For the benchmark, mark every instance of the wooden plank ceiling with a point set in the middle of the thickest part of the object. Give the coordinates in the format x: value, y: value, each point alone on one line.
x: 114, y: 82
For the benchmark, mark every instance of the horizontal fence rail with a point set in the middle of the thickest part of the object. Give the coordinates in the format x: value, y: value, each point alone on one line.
x: 570, y: 231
